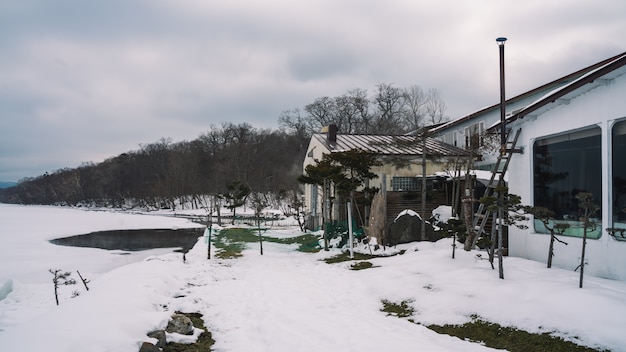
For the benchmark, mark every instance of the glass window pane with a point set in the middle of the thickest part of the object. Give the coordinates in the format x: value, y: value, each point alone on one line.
x: 564, y: 166
x: 404, y: 184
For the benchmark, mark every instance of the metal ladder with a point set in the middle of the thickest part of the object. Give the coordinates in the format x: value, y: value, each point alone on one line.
x: 481, y: 217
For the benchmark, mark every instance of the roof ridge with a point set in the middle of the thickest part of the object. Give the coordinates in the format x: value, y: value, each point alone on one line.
x: 562, y: 80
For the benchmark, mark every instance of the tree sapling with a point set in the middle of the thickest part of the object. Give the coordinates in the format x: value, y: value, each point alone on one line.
x: 545, y: 215
x: 588, y: 208
x: 60, y: 278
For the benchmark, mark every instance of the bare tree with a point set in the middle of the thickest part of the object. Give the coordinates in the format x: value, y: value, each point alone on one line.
x: 435, y: 107
x: 292, y: 204
x: 361, y: 104
x: 347, y: 115
x: 293, y: 122
x: 389, y: 102
x: 415, y: 107
x: 322, y: 111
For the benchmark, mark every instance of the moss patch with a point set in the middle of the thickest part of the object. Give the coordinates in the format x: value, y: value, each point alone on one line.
x: 400, y: 310
x: 345, y: 257
x: 491, y: 334
x: 361, y: 266
x: 511, y: 339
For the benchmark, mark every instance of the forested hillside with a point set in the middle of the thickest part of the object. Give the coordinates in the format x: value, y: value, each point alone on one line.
x: 160, y: 173
x: 167, y: 174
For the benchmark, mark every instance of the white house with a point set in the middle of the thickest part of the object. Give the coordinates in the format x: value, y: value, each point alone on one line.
x: 390, y: 149
x: 574, y: 140
x: 458, y: 131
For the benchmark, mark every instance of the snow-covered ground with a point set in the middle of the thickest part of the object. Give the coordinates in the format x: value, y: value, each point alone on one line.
x: 281, y: 301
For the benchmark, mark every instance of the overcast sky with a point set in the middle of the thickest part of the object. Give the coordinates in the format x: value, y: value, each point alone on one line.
x: 81, y: 81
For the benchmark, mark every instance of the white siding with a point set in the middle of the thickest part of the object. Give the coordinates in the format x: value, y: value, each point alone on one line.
x: 601, y: 106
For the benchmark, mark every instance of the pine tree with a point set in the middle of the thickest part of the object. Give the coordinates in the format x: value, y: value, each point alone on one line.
x: 236, y: 195
x: 346, y: 170
x: 512, y: 212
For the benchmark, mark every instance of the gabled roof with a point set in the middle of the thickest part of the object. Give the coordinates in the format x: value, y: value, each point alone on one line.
x: 599, y: 76
x: 553, y: 86
x: 388, y: 145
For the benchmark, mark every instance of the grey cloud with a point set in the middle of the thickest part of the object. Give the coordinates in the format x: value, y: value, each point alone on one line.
x: 319, y: 65
x: 86, y: 80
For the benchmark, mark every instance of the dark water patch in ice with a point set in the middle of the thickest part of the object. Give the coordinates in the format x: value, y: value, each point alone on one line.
x: 134, y: 240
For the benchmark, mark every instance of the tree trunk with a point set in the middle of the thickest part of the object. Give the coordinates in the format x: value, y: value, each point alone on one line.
x: 423, y: 223
x: 218, y: 207
x: 582, y: 257
x: 500, y: 230
x: 494, y: 241
x: 326, y: 216
x: 467, y: 216
x: 260, y: 233
x: 551, y: 249
x: 56, y: 292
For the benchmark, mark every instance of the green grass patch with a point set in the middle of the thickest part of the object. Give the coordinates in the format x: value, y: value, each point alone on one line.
x: 239, y: 234
x: 231, y: 242
x: 204, y: 343
x: 308, y: 243
x: 509, y: 338
x: 400, y: 310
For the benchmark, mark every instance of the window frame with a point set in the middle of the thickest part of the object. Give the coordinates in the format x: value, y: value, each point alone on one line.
x: 569, y: 145
x: 618, y: 129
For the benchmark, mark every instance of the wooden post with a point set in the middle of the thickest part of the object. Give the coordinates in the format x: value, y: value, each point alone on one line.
x: 351, y: 239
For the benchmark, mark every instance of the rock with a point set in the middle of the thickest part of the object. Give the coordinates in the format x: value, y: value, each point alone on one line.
x: 408, y: 228
x: 148, y: 347
x: 160, y: 336
x: 180, y: 324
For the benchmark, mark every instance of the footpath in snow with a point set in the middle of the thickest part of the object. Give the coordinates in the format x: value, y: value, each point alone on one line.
x: 290, y: 301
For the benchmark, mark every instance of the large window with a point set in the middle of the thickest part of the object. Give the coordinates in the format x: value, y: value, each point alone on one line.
x: 564, y: 166
x: 619, y: 178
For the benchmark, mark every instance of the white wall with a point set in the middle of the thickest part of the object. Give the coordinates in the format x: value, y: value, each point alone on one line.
x: 601, y: 106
